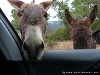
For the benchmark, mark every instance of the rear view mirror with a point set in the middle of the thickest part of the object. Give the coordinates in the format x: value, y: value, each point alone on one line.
x: 96, y: 36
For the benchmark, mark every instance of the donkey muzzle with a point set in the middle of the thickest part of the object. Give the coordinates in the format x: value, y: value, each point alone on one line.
x: 33, y: 44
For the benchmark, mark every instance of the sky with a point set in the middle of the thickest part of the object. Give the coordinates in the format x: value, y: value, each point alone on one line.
x: 6, y: 7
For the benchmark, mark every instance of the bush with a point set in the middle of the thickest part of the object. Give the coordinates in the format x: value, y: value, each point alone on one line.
x: 58, y: 35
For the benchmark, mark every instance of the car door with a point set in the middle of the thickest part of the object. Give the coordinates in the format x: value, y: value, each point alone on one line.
x: 11, y: 56
x: 58, y: 62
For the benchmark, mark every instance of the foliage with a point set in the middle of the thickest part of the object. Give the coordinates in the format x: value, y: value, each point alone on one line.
x: 60, y: 7
x: 58, y: 35
x: 15, y: 19
x: 82, y: 8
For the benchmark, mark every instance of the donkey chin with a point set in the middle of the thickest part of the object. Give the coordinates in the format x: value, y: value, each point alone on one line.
x: 33, y: 44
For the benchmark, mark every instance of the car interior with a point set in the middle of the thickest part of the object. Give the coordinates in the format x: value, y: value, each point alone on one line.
x: 53, y: 62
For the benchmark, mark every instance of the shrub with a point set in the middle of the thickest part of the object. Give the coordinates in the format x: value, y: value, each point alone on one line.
x: 60, y: 34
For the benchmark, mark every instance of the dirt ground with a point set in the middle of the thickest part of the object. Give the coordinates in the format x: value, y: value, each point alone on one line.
x: 63, y: 45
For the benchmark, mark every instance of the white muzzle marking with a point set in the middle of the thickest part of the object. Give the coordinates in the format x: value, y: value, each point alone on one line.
x: 33, y: 38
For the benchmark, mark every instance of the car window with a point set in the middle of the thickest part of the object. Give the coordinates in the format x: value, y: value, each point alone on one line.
x: 7, y: 43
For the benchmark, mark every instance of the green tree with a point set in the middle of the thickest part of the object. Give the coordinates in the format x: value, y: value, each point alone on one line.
x: 57, y: 35
x: 60, y: 6
x: 15, y: 19
x: 80, y: 9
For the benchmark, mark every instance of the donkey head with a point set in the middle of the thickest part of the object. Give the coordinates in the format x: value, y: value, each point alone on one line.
x: 32, y: 24
x: 81, y: 32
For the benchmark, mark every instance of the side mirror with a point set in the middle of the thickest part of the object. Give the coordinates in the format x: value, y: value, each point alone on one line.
x: 96, y: 36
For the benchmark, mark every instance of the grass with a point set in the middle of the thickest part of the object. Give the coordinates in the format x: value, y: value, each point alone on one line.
x: 62, y: 45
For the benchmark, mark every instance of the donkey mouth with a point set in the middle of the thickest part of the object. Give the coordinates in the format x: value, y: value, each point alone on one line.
x: 33, y: 52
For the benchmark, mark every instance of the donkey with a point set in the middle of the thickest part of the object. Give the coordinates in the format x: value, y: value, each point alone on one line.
x: 81, y: 32
x: 32, y: 25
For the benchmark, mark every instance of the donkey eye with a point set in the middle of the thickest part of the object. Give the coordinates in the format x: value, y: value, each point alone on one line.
x: 19, y: 14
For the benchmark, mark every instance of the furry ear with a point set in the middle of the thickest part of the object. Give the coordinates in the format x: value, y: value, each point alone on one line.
x: 69, y: 18
x: 46, y: 4
x: 92, y: 15
x: 16, y: 3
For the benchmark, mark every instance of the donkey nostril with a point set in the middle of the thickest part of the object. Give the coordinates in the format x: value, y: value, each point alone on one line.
x: 41, y: 51
x: 42, y: 46
x: 25, y: 46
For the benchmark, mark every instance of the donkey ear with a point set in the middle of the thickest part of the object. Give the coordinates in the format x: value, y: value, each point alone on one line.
x: 69, y: 18
x: 47, y: 4
x: 16, y: 3
x: 92, y: 15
